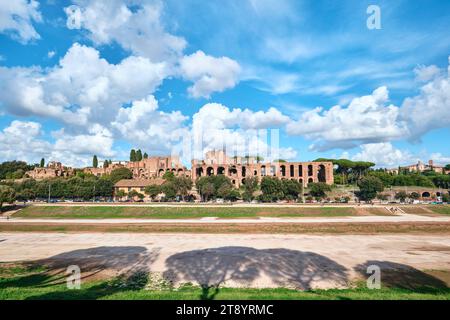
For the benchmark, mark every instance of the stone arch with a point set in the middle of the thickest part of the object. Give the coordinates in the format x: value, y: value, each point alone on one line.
x: 321, y: 175
x: 291, y: 170
x: 161, y: 172
x: 255, y: 172
x: 283, y: 170
x: 300, y: 180
x: 273, y: 171
x: 310, y: 170
x: 426, y: 194
x: 300, y: 170
x: 243, y: 181
x: 220, y: 170
x: 232, y: 171
x: 438, y: 194
x: 310, y: 180
x: 180, y: 172
x: 263, y: 170
x: 199, y: 172
x: 209, y: 171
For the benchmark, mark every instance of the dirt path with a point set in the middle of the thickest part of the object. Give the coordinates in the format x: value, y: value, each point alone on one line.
x: 299, y: 261
x: 350, y: 219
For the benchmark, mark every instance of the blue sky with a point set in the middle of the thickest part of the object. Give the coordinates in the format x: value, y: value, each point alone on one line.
x: 81, y: 77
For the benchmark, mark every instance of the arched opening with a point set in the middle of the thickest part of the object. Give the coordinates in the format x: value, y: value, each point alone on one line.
x: 243, y: 181
x: 310, y: 180
x: 300, y: 171
x: 232, y: 171
x: 180, y: 172
x: 438, y: 194
x: 291, y: 170
x: 255, y: 172
x: 426, y: 194
x: 174, y: 170
x: 244, y: 171
x: 220, y: 170
x: 310, y: 170
x: 283, y: 170
x: 273, y: 170
x: 321, y: 175
x: 263, y: 171
x: 210, y: 171
x: 199, y: 172
x: 161, y: 172
x: 300, y: 180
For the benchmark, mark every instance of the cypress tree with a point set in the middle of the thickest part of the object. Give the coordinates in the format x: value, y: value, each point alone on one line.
x: 139, y: 155
x: 95, y: 161
x: 132, y: 155
x: 42, y: 163
x: 145, y: 155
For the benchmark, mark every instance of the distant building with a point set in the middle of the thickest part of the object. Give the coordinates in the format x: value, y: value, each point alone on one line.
x: 420, y: 167
x: 239, y: 168
x: 52, y: 170
x: 137, y: 185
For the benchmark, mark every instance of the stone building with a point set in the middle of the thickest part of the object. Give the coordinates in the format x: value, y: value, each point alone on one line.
x: 239, y: 168
x: 52, y: 170
x: 151, y: 167
x: 137, y: 185
x: 420, y: 167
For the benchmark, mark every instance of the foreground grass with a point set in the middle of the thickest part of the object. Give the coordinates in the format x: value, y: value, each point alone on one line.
x: 99, y: 212
x: 441, y: 209
x: 21, y: 283
x: 442, y: 228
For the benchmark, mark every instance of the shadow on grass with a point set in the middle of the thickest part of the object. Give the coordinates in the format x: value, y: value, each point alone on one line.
x: 210, y: 268
x: 130, y: 266
x: 401, y: 276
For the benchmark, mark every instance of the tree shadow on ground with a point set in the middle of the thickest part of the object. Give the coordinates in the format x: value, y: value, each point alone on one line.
x: 130, y: 264
x: 401, y: 276
x: 210, y: 268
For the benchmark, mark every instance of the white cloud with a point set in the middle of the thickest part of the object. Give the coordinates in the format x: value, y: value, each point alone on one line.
x: 430, y: 109
x: 241, y: 132
x: 51, y: 54
x: 440, y: 158
x: 426, y: 73
x: 133, y: 24
x: 148, y: 128
x: 367, y: 119
x: 208, y: 73
x: 384, y: 155
x: 24, y: 140
x: 83, y: 88
x: 17, y: 17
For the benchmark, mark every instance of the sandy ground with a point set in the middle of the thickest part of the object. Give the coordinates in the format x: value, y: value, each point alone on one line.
x: 298, y: 261
x: 350, y: 219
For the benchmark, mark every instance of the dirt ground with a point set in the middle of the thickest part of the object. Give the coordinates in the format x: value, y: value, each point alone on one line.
x: 245, y: 260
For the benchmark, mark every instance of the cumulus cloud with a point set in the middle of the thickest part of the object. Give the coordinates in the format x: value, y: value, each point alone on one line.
x: 367, y: 119
x: 241, y: 132
x: 17, y: 17
x: 208, y: 73
x: 426, y: 73
x: 384, y: 154
x: 133, y: 24
x: 82, y: 88
x: 24, y: 140
x: 148, y: 127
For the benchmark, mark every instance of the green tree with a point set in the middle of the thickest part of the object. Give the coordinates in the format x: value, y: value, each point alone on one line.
x: 369, y: 187
x: 272, y: 189
x: 119, y: 174
x: 133, y: 194
x: 292, y: 188
x: 318, y: 190
x: 183, y: 186
x: 152, y: 190
x: 106, y: 164
x: 250, y: 186
x: 207, y: 190
x: 145, y: 155
x: 133, y: 155
x: 42, y: 164
x: 168, y: 176
x: 170, y: 190
x: 95, y: 161
x: 139, y: 155
x: 401, y: 195
x: 447, y: 167
x: 414, y: 195
x: 121, y: 194
x: 7, y: 195
x: 10, y: 168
